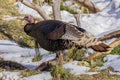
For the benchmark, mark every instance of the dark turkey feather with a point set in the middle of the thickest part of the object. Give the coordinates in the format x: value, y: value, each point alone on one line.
x: 54, y: 35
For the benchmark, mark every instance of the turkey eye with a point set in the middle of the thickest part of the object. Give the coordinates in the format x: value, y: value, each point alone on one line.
x: 26, y: 17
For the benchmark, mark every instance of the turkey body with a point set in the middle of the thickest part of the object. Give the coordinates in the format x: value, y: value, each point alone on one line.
x: 54, y: 35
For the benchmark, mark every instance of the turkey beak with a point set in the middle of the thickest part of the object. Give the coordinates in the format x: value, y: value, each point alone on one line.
x: 22, y: 19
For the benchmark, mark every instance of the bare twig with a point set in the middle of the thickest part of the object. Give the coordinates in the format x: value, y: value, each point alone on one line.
x: 77, y: 17
x: 36, y: 8
x: 56, y: 9
x: 88, y: 4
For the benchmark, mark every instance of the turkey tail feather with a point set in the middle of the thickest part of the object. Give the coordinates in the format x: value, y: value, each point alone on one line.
x: 100, y: 47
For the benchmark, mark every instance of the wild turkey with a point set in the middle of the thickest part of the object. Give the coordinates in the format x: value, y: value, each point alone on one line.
x: 54, y: 35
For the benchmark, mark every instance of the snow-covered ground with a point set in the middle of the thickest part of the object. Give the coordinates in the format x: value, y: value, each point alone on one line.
x: 9, y: 50
x: 13, y: 52
x: 106, y: 21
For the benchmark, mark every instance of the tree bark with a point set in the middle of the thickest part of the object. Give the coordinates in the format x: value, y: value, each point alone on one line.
x: 56, y: 9
x: 88, y: 4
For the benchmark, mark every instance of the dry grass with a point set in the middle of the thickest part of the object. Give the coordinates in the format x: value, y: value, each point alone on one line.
x: 103, y: 75
x: 13, y: 29
x: 26, y: 73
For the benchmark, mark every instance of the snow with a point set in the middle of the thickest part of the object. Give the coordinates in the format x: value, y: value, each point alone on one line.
x: 25, y: 59
x: 76, y: 69
x: 17, y: 76
x: 26, y: 10
x: 13, y: 52
x: 43, y: 76
x: 9, y: 75
x: 67, y: 17
x: 114, y: 73
x: 112, y: 61
x: 9, y: 50
x: 106, y: 21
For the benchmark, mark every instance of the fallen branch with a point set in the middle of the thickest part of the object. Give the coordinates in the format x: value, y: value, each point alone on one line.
x: 10, y: 65
x: 114, y: 34
x: 36, y: 8
x: 112, y: 45
x: 88, y: 4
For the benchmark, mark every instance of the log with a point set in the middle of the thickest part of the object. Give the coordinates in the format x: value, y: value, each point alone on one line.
x: 111, y: 35
x: 88, y: 4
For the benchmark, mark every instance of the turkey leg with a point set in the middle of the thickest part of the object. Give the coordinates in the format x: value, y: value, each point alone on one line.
x: 37, y: 49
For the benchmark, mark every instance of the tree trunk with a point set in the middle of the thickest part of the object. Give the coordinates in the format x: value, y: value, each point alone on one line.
x: 56, y: 9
